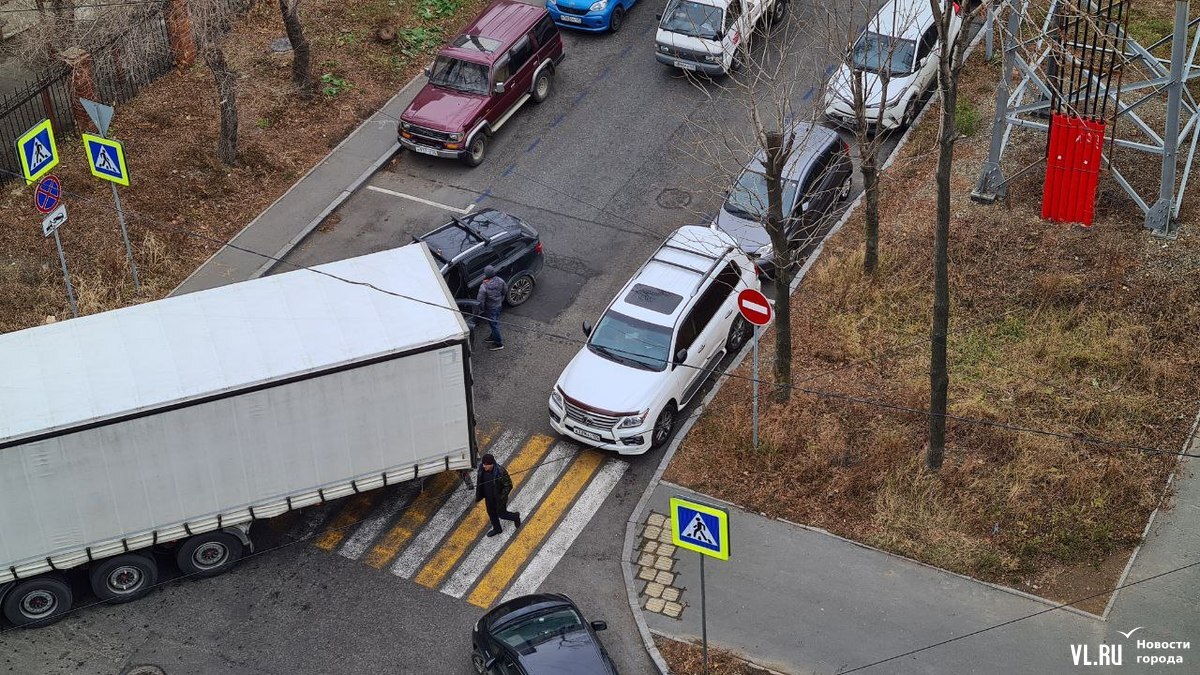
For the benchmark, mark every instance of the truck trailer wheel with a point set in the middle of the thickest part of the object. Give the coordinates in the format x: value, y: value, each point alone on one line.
x: 123, y: 578
x: 38, y: 602
x: 208, y: 554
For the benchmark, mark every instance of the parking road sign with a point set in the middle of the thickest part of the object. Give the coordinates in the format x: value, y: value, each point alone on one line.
x: 106, y: 159
x: 37, y: 151
x: 700, y: 527
x: 754, y: 307
x: 48, y: 194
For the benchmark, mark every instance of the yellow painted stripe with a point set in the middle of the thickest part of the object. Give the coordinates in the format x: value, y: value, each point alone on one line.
x: 531, y: 534
x: 469, y: 529
x: 417, y: 513
x: 354, y: 510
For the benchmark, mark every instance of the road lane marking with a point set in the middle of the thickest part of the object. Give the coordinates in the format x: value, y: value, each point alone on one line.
x: 472, y: 526
x: 487, y: 548
x: 369, y: 529
x: 533, y: 532
x: 442, y: 521
x: 427, y: 202
x: 552, y: 552
x: 353, y: 510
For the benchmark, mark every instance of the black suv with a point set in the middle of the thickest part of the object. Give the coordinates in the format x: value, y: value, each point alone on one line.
x: 538, y: 635
x: 468, y: 244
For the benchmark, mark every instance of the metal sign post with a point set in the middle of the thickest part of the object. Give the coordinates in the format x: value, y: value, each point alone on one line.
x: 137, y: 285
x: 756, y: 310
x: 106, y: 159
x: 50, y: 225
x: 702, y: 528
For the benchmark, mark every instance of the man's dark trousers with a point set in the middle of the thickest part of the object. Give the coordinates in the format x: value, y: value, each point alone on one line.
x: 498, y: 508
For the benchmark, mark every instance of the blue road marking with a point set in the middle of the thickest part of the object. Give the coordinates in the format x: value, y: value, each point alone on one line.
x: 507, y: 170
x: 625, y: 52
x: 533, y: 145
x: 603, y: 74
x: 829, y: 69
x: 483, y: 195
x: 582, y: 95
x: 808, y: 94
x: 558, y: 120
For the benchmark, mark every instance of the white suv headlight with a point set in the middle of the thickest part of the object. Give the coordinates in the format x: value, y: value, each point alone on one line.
x: 599, y: 5
x: 634, y: 420
x: 557, y: 399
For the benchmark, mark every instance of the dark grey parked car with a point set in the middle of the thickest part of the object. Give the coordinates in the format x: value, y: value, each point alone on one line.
x: 817, y: 176
x: 540, y: 634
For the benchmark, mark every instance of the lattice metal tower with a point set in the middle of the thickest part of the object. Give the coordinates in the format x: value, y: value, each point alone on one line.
x: 1076, y: 58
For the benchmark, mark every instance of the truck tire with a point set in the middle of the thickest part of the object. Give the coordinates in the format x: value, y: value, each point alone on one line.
x: 124, y: 577
x: 39, y: 601
x: 208, y: 554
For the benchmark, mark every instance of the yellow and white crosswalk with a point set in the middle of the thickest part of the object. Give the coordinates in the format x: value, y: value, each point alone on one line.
x: 434, y: 533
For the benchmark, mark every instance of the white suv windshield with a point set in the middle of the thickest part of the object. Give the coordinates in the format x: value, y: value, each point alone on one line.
x: 874, y: 52
x: 631, y: 342
x: 692, y: 18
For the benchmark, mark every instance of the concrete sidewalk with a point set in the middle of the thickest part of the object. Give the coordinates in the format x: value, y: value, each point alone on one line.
x: 798, y: 600
x: 308, y: 202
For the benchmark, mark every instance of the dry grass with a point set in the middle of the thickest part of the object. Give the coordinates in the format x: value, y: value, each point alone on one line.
x: 1053, y: 327
x: 183, y: 203
x: 687, y: 659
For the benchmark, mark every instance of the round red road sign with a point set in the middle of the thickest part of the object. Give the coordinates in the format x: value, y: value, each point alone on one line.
x: 754, y: 307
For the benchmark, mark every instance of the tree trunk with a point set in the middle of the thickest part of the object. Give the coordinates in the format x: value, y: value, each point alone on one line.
x: 777, y: 151
x: 302, y: 78
x: 870, y: 174
x: 226, y: 81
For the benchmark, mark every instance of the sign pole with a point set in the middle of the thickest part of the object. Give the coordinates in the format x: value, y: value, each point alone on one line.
x: 66, y: 277
x: 754, y: 432
x: 137, y: 286
x: 703, y: 616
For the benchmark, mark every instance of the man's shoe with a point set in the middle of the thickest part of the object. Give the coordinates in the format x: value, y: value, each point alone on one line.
x: 494, y: 532
x: 495, y: 347
x: 491, y: 339
x: 517, y: 522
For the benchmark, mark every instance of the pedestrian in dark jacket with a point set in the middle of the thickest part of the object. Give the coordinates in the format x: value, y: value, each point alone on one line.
x: 491, y: 301
x: 493, y: 486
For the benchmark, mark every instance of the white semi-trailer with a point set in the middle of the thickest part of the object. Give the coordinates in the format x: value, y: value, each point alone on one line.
x: 159, y: 432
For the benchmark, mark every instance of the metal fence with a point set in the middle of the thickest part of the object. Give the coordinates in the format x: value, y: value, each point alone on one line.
x: 120, y: 68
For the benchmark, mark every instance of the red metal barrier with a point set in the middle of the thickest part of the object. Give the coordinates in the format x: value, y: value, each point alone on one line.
x: 1072, y: 169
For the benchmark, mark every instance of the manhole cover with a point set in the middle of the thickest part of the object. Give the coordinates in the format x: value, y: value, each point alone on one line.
x: 674, y: 198
x: 281, y: 45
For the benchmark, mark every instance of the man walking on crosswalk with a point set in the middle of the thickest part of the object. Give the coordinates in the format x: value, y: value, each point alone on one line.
x: 493, y: 486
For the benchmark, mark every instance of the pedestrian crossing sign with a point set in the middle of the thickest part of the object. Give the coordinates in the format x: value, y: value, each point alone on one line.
x: 37, y: 151
x: 106, y: 159
x: 700, y: 527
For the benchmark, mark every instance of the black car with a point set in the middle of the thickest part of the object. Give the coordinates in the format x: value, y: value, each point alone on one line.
x: 536, y: 635
x: 468, y: 244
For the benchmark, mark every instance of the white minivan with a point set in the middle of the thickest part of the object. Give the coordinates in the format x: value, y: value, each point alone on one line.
x: 901, y: 40
x: 655, y: 344
x: 705, y: 35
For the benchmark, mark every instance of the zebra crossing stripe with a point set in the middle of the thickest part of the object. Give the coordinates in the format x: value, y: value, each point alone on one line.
x: 472, y: 526
x: 531, y: 534
x: 526, y: 499
x: 353, y: 509
x: 443, y: 521
x: 549, y: 555
x: 369, y: 529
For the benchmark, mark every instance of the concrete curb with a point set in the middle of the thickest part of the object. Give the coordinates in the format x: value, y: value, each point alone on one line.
x: 312, y: 225
x: 741, y: 657
x: 635, y: 521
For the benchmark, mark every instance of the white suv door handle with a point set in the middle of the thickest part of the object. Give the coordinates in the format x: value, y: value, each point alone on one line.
x: 700, y: 349
x: 727, y: 314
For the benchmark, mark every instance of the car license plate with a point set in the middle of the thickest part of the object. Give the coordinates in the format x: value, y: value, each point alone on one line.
x: 588, y: 434
x: 685, y: 65
x: 571, y: 19
x: 424, y: 150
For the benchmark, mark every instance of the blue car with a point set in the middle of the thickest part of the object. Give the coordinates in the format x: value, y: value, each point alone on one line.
x: 593, y: 16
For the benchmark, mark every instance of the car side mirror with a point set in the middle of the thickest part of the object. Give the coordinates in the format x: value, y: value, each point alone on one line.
x: 599, y: 625
x: 587, y: 328
x: 428, y: 71
x: 499, y: 89
x: 681, y: 356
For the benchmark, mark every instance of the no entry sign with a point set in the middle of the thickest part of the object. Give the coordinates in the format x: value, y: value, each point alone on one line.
x: 754, y: 307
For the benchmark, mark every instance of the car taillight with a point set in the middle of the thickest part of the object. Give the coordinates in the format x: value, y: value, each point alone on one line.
x: 538, y: 248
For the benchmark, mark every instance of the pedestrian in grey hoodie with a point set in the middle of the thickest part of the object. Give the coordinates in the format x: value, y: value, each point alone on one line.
x: 491, y: 301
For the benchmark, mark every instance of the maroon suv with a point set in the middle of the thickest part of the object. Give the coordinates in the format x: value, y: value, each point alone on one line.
x: 505, y: 57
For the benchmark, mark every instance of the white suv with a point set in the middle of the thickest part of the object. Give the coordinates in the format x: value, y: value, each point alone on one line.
x: 655, y: 344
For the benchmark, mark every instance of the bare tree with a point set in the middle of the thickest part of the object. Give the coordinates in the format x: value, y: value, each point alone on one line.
x: 773, y: 123
x: 302, y: 77
x: 211, y: 20
x: 951, y: 57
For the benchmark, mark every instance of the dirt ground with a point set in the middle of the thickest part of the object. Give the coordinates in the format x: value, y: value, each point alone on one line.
x: 687, y: 659
x: 1090, y: 334
x: 182, y: 203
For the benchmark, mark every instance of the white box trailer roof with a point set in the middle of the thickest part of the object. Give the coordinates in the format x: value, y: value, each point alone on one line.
x: 123, y: 362
x: 195, y: 413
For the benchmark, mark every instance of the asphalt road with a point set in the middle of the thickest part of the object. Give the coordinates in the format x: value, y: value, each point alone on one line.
x: 605, y: 169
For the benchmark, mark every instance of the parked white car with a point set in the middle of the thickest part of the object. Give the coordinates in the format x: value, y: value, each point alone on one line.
x: 655, y: 344
x: 901, y: 39
x: 705, y: 35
